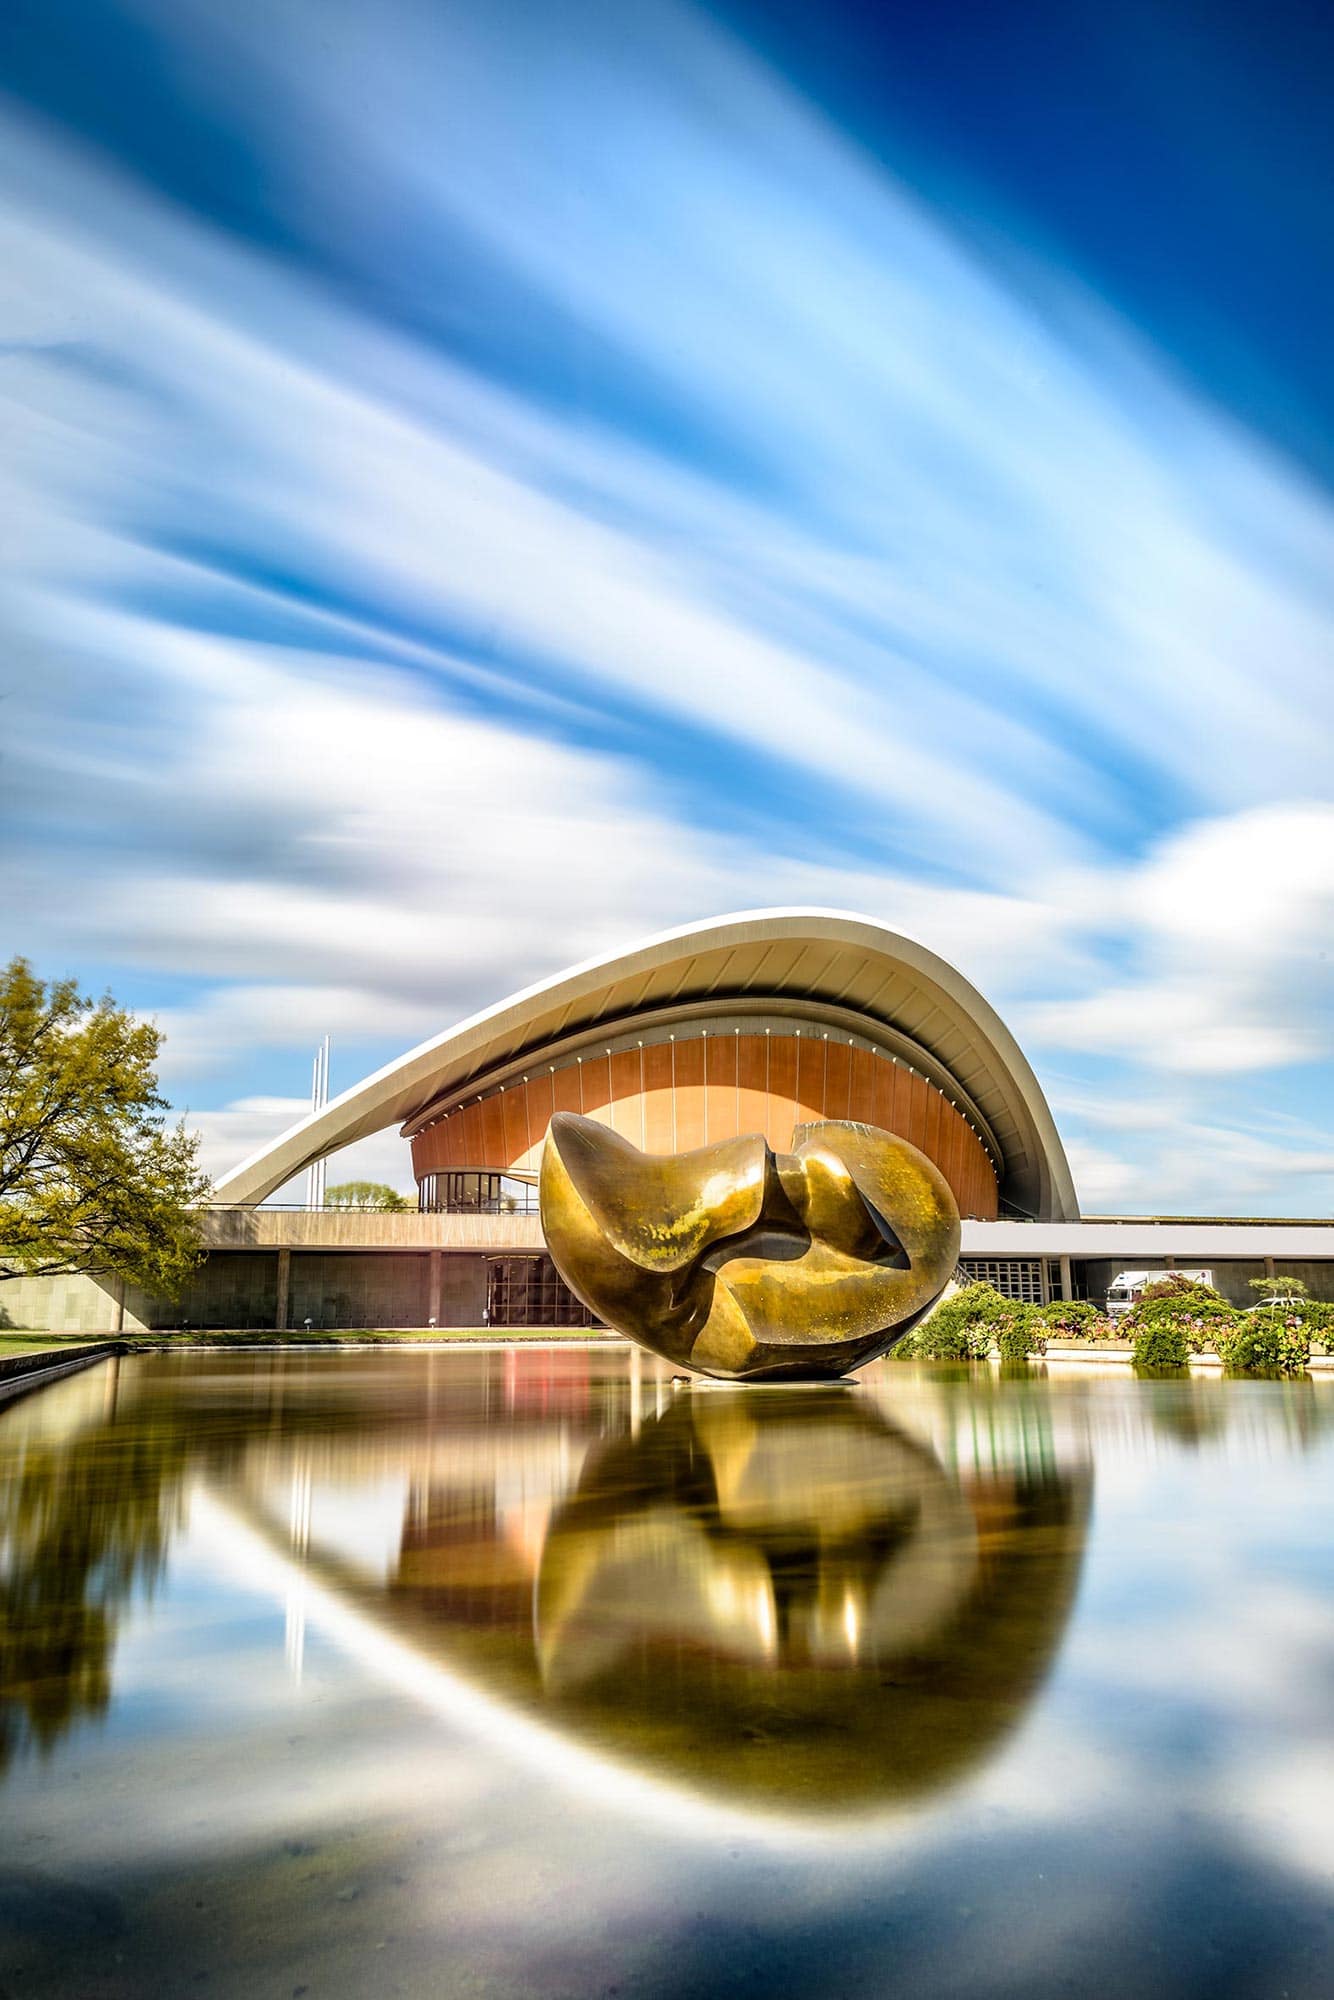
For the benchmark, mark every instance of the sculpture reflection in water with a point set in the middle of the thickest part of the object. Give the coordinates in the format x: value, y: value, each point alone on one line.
x: 784, y: 1599
x: 773, y: 1596
x: 744, y: 1263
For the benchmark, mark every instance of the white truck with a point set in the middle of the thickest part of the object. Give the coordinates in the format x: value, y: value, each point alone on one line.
x: 1126, y: 1287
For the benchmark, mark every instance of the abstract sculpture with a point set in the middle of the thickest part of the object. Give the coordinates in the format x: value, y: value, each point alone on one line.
x: 745, y: 1263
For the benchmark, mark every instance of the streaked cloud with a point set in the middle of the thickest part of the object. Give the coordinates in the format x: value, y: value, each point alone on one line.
x: 599, y: 496
x: 1229, y: 921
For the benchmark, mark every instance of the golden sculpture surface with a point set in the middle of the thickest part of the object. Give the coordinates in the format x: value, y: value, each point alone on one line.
x: 745, y: 1263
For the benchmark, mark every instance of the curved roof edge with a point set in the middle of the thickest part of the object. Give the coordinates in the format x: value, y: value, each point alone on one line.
x: 403, y: 1088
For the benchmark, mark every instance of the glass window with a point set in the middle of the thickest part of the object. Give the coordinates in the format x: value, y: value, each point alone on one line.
x: 1013, y: 1277
x: 529, y: 1291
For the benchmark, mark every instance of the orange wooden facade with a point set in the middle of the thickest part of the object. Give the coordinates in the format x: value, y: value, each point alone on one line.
x: 672, y: 1096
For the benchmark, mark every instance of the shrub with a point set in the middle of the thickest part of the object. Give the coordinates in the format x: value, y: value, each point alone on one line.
x: 1021, y: 1334
x: 1069, y: 1316
x: 944, y: 1343
x: 1075, y: 1319
x: 1180, y: 1306
x: 1160, y: 1344
x: 1172, y: 1298
x: 1203, y: 1335
x: 1267, y: 1344
x: 1316, y: 1316
x: 965, y: 1326
x: 1318, y: 1320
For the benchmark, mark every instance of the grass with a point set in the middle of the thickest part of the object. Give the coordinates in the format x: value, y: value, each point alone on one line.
x: 361, y: 1336
x: 19, y: 1342
x: 36, y: 1343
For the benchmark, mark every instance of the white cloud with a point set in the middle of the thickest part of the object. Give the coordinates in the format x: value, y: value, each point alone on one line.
x: 230, y: 1133
x: 231, y: 1019
x: 361, y: 861
x: 404, y: 517
x: 1000, y: 587
x: 1197, y: 1167
x: 236, y: 1130
x: 1103, y: 1180
x: 1228, y: 926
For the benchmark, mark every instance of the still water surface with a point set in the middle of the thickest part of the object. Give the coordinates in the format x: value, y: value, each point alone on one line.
x: 530, y: 1671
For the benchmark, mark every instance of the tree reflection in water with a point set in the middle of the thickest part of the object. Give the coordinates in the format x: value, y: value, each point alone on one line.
x: 80, y: 1525
x: 87, y: 1515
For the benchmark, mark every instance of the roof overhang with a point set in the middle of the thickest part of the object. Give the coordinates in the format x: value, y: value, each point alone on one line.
x: 779, y: 961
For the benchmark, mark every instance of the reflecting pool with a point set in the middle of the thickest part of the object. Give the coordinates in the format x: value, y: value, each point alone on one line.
x: 534, y: 1670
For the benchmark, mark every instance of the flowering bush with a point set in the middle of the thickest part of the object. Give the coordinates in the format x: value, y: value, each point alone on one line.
x: 1076, y: 1319
x: 1199, y: 1315
x: 965, y: 1327
x: 1069, y: 1317
x: 1021, y: 1333
x: 1160, y: 1344
x: 1173, y: 1298
x: 1203, y: 1335
x: 1319, y: 1323
x: 945, y: 1343
x: 1294, y: 1309
x: 1267, y: 1343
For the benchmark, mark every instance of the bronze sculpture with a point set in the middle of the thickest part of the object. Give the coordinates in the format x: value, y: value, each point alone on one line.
x: 748, y: 1264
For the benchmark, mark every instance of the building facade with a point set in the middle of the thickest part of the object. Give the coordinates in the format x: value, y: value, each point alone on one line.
x: 758, y: 1022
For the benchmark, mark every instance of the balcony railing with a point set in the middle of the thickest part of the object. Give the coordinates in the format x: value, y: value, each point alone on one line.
x: 506, y: 1205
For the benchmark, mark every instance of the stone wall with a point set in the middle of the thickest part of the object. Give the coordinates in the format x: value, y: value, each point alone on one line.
x: 58, y: 1305
x: 241, y: 1288
x: 358, y: 1288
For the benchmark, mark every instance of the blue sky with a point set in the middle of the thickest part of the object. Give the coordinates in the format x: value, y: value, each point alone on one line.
x: 486, y: 482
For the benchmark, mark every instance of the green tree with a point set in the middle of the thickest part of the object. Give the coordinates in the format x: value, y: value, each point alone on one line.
x: 365, y: 1194
x: 1286, y: 1303
x: 91, y: 1178
x: 1274, y: 1291
x: 1174, y: 1297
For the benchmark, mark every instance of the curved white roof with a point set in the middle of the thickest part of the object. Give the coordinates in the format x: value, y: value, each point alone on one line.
x: 782, y: 961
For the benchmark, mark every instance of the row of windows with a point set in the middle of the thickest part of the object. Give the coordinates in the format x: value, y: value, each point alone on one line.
x: 475, y: 1194
x: 1013, y: 1277
x: 529, y: 1291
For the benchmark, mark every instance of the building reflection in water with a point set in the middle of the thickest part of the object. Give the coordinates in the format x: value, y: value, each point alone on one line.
x: 785, y: 1598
